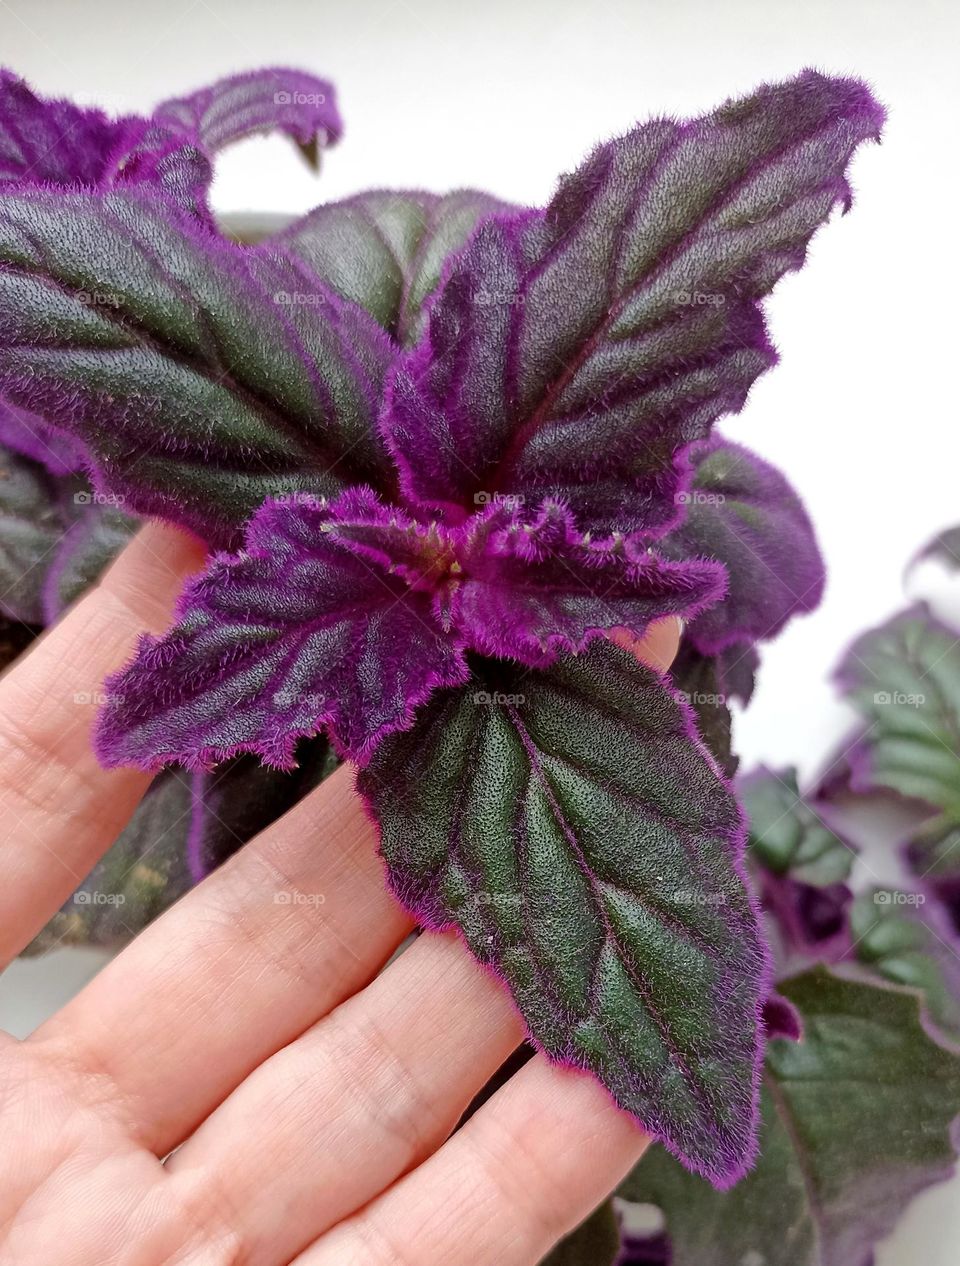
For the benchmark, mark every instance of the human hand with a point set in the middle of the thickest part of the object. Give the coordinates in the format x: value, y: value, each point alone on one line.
x: 307, y: 1092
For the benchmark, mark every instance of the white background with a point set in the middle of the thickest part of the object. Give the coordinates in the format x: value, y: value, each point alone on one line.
x: 862, y: 410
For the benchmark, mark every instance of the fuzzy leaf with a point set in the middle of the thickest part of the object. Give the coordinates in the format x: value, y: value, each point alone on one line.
x: 192, y: 370
x: 742, y: 512
x: 697, y: 682
x: 534, y: 585
x: 30, y: 530
x: 386, y: 250
x: 575, y: 352
x: 569, y: 823
x: 271, y: 99
x: 856, y: 1120
x: 55, y: 141
x: 904, y: 678
x: 904, y: 938
x: 785, y: 833
x: 595, y: 1242
x: 296, y: 632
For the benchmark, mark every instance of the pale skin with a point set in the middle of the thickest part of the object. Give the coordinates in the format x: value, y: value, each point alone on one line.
x: 311, y: 1092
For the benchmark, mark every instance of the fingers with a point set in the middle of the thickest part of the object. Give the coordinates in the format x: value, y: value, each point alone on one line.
x: 292, y: 924
x: 230, y: 974
x: 363, y: 1096
x: 59, y: 809
x: 522, y: 1172
x: 659, y: 645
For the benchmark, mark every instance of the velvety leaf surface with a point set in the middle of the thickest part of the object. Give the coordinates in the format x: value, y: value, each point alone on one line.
x: 741, y: 512
x: 856, y: 1120
x: 55, y: 141
x: 270, y: 99
x: 30, y: 530
x: 595, y: 1242
x: 534, y: 584
x: 904, y: 678
x: 906, y: 939
x: 697, y: 681
x: 202, y: 377
x: 91, y: 542
x: 386, y: 249
x: 570, y: 824
x: 576, y: 351
x: 294, y: 633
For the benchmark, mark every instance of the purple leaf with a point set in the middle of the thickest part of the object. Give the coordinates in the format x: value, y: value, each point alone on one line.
x: 573, y: 828
x: 781, y: 1018
x: 297, y: 632
x: 202, y: 377
x: 386, y: 250
x: 534, y: 585
x: 55, y: 141
x: 29, y: 435
x: 266, y: 100
x: 576, y: 351
x: 389, y: 607
x: 743, y: 513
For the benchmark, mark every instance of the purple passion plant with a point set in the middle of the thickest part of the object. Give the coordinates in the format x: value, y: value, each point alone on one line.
x: 440, y: 448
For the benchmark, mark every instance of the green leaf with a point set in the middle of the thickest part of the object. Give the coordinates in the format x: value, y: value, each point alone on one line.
x: 386, y: 250
x: 786, y: 836
x: 95, y: 537
x: 30, y: 530
x: 202, y: 376
x: 571, y: 825
x: 902, y: 938
x: 595, y: 1242
x: 698, y: 683
x: 856, y: 1120
x: 904, y: 677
